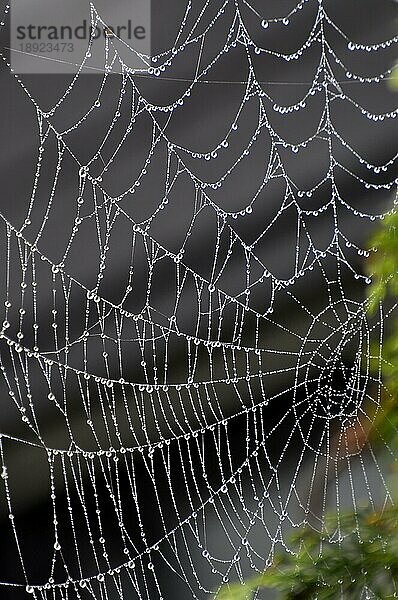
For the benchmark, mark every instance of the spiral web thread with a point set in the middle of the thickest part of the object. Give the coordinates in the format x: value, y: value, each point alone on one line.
x: 162, y: 423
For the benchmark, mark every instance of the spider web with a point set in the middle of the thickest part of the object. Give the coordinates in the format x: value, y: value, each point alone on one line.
x: 206, y: 354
